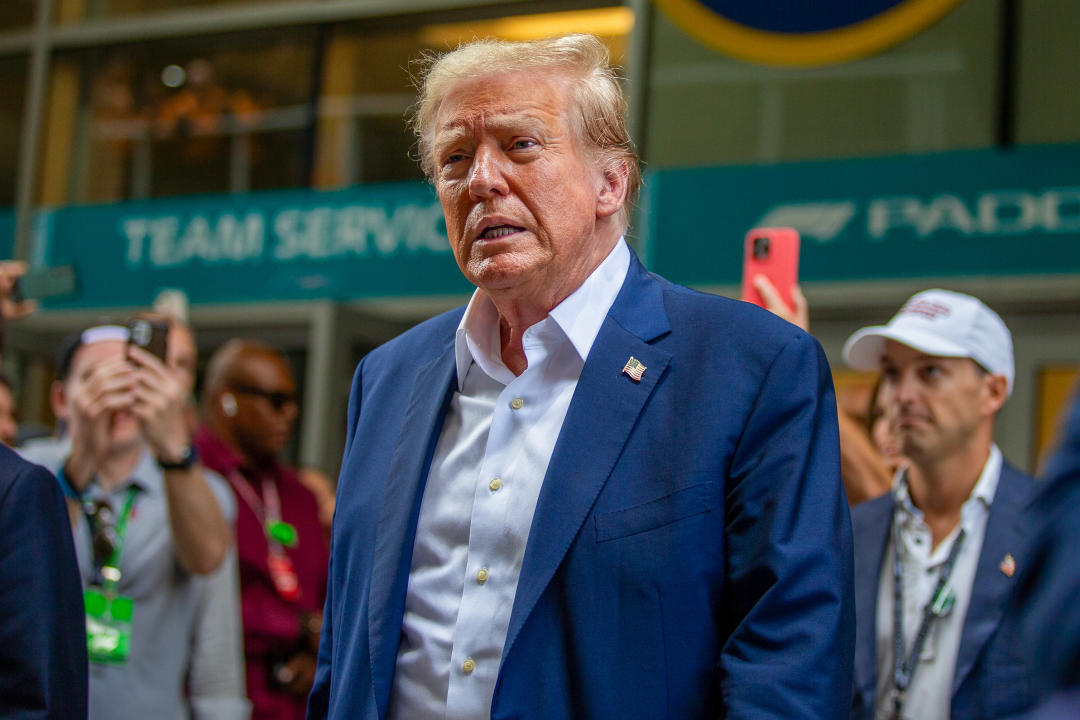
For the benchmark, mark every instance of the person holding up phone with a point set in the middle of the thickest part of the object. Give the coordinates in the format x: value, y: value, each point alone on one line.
x: 147, y: 518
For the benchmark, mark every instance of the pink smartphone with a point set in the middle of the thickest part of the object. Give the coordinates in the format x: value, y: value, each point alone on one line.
x: 774, y: 253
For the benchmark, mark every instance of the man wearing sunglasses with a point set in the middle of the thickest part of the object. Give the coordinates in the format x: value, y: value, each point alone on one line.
x: 249, y: 399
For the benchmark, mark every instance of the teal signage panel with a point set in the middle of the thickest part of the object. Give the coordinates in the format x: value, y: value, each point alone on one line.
x: 375, y: 241
x: 972, y: 213
x: 7, y: 234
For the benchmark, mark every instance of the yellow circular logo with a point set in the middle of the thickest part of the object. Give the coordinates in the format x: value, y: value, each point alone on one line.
x: 800, y: 33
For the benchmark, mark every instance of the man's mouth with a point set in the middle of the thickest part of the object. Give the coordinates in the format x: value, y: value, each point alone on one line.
x: 498, y: 231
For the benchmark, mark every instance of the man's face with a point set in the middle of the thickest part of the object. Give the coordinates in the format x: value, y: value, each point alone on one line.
x: 937, y: 404
x: 521, y: 200
x: 124, y: 429
x: 9, y: 428
x: 265, y: 406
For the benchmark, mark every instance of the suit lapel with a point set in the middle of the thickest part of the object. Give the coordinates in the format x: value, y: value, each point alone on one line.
x: 398, y: 515
x: 992, y: 587
x: 604, y: 409
x: 877, y: 520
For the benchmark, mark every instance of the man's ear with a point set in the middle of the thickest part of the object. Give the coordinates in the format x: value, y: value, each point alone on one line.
x: 58, y: 400
x: 996, y: 392
x: 612, y: 195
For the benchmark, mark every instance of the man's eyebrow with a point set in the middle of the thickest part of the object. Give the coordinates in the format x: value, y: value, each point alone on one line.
x: 455, y: 131
x: 450, y: 134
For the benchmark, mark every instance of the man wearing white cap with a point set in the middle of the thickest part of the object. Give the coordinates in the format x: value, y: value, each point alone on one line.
x: 935, y: 559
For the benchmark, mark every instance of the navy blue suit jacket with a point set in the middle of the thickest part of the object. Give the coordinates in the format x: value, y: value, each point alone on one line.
x: 991, y: 678
x: 1045, y: 613
x: 690, y: 554
x: 43, y: 665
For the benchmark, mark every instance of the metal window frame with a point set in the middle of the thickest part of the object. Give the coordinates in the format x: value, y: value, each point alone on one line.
x: 46, y: 36
x: 329, y: 327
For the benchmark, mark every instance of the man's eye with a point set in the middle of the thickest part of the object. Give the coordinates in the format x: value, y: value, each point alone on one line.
x: 452, y: 159
x: 523, y: 144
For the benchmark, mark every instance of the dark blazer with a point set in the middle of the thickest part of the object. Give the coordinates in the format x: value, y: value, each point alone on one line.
x: 990, y: 679
x: 43, y: 665
x: 1045, y: 611
x: 690, y: 554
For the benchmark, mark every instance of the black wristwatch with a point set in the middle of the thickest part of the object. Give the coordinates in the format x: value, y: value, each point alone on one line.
x: 188, y: 457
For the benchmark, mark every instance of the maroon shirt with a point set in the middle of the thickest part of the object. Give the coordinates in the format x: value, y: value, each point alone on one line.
x: 271, y: 624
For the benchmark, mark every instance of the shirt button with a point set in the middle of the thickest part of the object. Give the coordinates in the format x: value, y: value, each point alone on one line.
x: 517, y: 403
x: 495, y: 484
x: 468, y: 666
x: 482, y: 576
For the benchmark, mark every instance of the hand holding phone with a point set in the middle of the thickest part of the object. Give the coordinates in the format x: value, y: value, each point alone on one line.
x: 150, y: 335
x: 12, y: 304
x: 40, y: 283
x: 774, y: 254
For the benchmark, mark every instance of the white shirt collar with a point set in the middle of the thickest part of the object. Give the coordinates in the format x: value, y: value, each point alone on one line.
x: 579, y: 317
x: 984, y: 490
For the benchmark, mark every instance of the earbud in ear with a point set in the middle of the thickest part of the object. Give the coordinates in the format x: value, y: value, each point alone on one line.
x: 228, y: 404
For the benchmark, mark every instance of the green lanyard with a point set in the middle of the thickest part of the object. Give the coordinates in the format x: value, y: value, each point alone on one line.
x: 110, y: 571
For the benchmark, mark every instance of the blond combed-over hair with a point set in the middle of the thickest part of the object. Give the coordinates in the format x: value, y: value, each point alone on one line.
x: 598, y: 114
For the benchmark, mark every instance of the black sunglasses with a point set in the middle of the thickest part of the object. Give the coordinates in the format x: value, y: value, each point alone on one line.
x: 276, y: 398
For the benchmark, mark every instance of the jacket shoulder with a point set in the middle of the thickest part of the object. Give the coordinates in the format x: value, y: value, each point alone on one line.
x: 19, y: 475
x: 867, y: 518
x: 734, y: 323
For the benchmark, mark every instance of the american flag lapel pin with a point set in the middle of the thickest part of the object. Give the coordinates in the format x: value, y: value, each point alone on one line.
x: 1008, y: 565
x: 634, y: 369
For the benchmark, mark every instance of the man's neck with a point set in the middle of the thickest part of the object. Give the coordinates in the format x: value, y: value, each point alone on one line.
x: 118, y: 467
x: 522, y: 307
x: 940, y: 489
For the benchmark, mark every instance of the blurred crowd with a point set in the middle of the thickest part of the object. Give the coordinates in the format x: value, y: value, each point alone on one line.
x: 203, y: 556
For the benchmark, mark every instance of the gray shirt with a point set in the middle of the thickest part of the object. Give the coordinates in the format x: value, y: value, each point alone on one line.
x: 167, y: 598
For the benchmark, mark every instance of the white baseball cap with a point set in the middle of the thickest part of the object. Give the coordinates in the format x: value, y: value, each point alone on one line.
x: 942, y: 323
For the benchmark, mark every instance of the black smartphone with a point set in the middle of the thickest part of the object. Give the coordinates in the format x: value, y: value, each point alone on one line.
x: 150, y: 335
x: 42, y: 283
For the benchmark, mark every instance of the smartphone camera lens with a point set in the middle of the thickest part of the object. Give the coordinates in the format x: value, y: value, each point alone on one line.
x: 761, y: 248
x: 140, y: 333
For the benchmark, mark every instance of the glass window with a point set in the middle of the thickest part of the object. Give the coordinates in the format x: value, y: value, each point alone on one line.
x: 16, y: 13
x: 1048, y: 99
x: 75, y: 10
x: 12, y: 91
x: 216, y: 114
x: 366, y: 90
x: 1055, y: 385
x: 934, y: 92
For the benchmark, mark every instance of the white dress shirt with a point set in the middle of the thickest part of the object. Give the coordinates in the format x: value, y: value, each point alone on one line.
x: 929, y: 696
x: 481, y: 493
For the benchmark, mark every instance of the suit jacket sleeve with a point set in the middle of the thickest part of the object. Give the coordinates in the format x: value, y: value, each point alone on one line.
x: 319, y: 699
x: 790, y: 585
x: 43, y: 663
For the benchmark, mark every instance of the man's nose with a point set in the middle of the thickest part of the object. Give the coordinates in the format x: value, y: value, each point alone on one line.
x: 904, y: 388
x: 487, y: 176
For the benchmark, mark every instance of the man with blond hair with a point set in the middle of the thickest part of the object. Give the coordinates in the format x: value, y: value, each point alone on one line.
x: 590, y: 493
